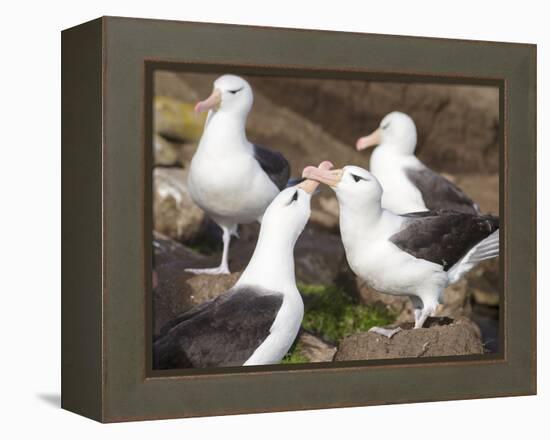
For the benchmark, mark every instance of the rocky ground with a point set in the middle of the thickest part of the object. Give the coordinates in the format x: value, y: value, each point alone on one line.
x: 311, y: 120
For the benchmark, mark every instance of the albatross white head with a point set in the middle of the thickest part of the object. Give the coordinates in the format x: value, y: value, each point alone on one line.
x: 397, y: 132
x: 355, y: 187
x: 272, y: 264
x: 231, y: 95
x: 362, y: 219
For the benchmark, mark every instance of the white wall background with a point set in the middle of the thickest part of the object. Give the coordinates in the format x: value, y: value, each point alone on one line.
x: 30, y: 218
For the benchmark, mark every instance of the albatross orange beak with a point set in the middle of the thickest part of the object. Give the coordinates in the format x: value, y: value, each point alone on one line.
x: 323, y: 175
x: 309, y: 185
x: 213, y: 101
x: 371, y: 140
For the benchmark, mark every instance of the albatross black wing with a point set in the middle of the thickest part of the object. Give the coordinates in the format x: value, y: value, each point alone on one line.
x: 443, y: 237
x: 274, y: 164
x: 440, y: 193
x: 223, y: 332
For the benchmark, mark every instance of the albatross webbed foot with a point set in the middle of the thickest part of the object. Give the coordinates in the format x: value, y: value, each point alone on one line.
x: 387, y: 332
x: 220, y: 270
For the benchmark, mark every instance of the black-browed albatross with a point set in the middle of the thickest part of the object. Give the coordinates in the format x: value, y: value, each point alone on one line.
x: 409, y: 185
x: 230, y: 178
x: 416, y: 254
x: 257, y: 320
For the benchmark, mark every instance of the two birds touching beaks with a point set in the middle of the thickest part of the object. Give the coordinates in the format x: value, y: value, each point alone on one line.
x: 406, y: 230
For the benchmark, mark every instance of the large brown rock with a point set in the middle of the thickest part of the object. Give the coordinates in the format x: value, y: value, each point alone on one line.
x: 173, y: 85
x: 460, y: 337
x: 457, y: 125
x: 484, y: 189
x: 174, y: 212
x: 312, y: 119
x: 166, y: 250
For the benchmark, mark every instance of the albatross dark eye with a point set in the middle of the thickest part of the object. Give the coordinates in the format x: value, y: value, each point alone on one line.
x: 386, y: 125
x: 357, y: 178
x: 235, y: 91
x: 294, y: 197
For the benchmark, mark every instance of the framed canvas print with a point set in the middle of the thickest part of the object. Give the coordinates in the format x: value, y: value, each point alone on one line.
x: 262, y: 219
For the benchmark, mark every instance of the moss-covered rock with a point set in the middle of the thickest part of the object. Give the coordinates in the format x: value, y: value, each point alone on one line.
x: 177, y: 120
x: 329, y: 311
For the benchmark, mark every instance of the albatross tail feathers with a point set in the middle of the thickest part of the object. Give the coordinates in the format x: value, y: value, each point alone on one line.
x: 484, y: 250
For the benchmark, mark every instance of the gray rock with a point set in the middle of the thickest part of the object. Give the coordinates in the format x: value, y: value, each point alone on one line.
x: 174, y: 212
x: 443, y: 337
x: 319, y: 257
x: 166, y: 153
x: 483, y: 282
x: 314, y: 349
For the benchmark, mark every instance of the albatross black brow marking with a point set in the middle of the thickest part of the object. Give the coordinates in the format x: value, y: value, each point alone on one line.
x: 235, y: 91
x: 293, y: 199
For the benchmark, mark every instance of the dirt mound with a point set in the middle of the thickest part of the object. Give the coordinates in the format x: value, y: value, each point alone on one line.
x: 443, y: 337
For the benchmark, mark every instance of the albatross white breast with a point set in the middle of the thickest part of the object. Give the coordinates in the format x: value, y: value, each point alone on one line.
x: 257, y: 320
x: 415, y: 254
x: 408, y: 184
x: 230, y: 178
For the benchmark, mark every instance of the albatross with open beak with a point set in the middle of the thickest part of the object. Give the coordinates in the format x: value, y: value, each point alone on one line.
x: 408, y: 184
x: 416, y: 254
x: 257, y: 320
x: 230, y: 178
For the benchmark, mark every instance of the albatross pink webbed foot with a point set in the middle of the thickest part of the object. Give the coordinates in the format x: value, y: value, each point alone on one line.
x: 387, y: 332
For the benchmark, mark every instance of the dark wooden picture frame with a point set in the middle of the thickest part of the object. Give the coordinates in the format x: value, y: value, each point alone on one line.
x: 106, y: 213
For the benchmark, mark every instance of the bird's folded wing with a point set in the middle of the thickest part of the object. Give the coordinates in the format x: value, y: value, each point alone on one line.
x: 440, y: 193
x: 442, y: 237
x: 224, y: 332
x: 274, y: 165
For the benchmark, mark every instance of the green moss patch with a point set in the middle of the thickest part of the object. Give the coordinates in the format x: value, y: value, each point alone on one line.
x: 333, y: 314
x: 293, y: 357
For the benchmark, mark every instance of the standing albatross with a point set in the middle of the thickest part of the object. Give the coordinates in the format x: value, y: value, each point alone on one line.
x: 409, y: 185
x: 230, y: 178
x: 256, y: 321
x: 416, y: 254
